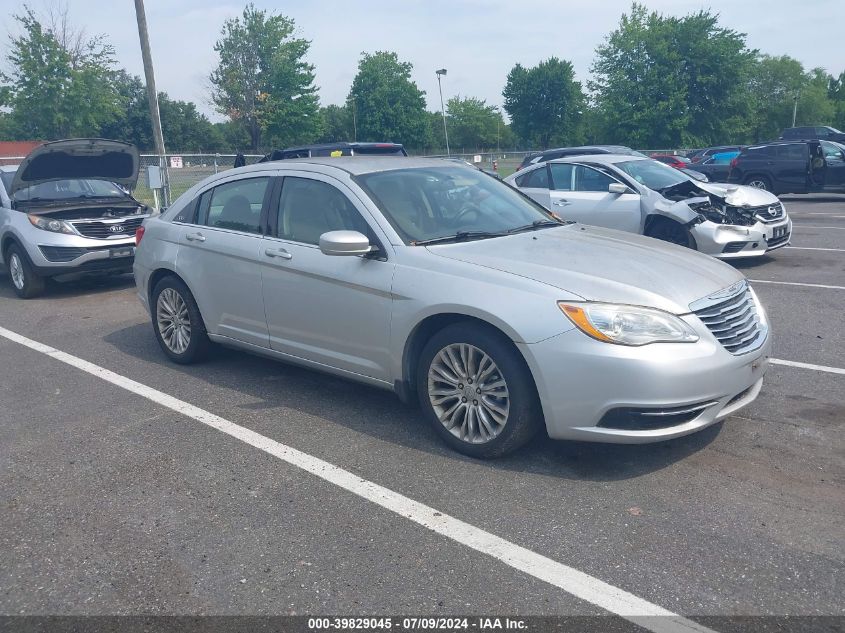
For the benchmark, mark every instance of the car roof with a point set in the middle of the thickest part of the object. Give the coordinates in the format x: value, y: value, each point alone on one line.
x: 353, y: 165
x: 604, y: 159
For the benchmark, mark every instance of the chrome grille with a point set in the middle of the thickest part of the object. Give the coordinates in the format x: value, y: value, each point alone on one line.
x: 102, y: 230
x: 769, y: 213
x: 734, y: 320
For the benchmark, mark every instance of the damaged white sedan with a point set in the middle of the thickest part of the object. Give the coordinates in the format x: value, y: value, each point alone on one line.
x: 644, y: 196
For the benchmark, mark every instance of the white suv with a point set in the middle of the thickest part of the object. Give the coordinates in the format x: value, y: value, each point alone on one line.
x: 65, y: 210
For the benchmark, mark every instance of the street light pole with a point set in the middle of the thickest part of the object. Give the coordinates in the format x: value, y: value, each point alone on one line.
x: 440, y: 73
x: 152, y: 95
x: 795, y: 107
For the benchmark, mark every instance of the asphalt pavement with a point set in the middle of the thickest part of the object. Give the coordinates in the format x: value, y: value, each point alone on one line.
x: 114, y: 504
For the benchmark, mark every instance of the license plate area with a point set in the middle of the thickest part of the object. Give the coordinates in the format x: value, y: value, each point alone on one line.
x: 122, y: 251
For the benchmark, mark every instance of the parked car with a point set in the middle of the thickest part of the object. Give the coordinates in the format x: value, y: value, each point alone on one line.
x: 678, y: 162
x: 791, y: 167
x: 445, y: 285
x: 584, y: 150
x: 808, y: 132
x: 717, y: 166
x: 700, y: 155
x: 466, y: 163
x: 335, y: 150
x: 644, y: 196
x: 65, y: 210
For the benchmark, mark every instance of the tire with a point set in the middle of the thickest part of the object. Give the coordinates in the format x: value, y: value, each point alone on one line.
x: 25, y: 281
x: 177, y: 322
x: 672, y: 232
x: 759, y: 182
x: 499, y: 424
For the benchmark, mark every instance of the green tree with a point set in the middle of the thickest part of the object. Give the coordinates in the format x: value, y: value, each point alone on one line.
x: 386, y: 103
x: 336, y: 124
x: 473, y: 124
x: 262, y: 80
x: 544, y: 102
x: 836, y: 93
x: 671, y: 82
x: 58, y: 86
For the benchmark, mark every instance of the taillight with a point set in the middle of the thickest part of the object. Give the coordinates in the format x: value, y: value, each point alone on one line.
x: 139, y: 235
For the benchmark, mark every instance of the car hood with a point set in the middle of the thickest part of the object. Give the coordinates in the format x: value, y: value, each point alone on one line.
x: 739, y: 195
x: 90, y: 158
x: 600, y: 264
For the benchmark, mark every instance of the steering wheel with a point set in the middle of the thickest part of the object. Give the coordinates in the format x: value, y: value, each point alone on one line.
x: 466, y: 210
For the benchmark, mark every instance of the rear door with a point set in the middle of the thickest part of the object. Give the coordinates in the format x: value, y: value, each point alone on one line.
x: 535, y: 183
x: 220, y: 256
x: 580, y: 193
x: 789, y: 167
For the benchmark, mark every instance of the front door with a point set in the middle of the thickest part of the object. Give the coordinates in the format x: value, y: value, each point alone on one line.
x: 219, y: 257
x: 332, y: 310
x: 580, y: 193
x: 834, y: 158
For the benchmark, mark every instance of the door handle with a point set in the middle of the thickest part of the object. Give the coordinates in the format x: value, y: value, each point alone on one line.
x: 561, y: 203
x: 278, y: 252
x: 195, y: 237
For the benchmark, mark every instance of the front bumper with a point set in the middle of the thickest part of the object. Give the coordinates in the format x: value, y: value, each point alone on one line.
x: 59, y: 254
x: 729, y: 241
x: 580, y: 381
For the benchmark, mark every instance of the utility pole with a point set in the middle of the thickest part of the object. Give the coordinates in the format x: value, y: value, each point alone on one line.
x: 440, y: 73
x: 152, y: 97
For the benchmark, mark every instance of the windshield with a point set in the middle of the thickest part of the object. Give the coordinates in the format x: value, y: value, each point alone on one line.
x: 64, y: 189
x: 653, y: 174
x: 437, y: 202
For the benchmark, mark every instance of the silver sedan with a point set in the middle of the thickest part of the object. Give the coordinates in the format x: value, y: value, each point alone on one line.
x: 644, y: 196
x: 450, y: 288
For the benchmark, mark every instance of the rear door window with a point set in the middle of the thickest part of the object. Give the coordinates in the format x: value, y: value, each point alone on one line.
x: 563, y: 176
x: 793, y: 151
x: 536, y: 179
x: 235, y: 205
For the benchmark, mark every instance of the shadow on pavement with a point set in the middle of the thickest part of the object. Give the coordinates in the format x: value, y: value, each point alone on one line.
x: 72, y: 287
x: 381, y: 415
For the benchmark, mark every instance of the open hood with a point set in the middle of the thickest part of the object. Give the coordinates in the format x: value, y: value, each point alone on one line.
x: 90, y: 158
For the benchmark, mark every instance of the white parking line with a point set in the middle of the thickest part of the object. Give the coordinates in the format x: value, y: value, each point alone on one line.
x: 810, y: 226
x: 808, y: 248
x: 796, y: 283
x: 571, y: 580
x: 792, y: 363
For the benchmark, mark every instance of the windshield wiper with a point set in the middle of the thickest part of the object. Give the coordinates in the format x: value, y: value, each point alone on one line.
x: 460, y: 236
x: 539, y: 224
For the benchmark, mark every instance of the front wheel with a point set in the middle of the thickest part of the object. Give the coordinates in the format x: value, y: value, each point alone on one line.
x: 759, y: 182
x: 177, y: 322
x: 25, y: 281
x: 477, y: 391
x: 671, y: 231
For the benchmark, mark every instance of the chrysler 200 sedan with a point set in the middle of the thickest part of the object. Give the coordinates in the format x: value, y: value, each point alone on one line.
x: 447, y: 286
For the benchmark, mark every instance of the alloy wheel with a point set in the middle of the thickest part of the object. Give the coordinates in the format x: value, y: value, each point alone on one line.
x: 758, y: 184
x: 174, y: 322
x: 468, y: 393
x: 16, y: 271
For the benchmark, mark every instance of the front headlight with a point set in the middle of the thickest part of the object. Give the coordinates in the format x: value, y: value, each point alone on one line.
x: 50, y: 224
x: 627, y: 325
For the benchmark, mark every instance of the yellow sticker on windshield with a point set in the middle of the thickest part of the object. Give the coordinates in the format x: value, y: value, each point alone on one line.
x: 336, y: 153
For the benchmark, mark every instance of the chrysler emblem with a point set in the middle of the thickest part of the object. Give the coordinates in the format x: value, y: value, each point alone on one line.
x: 729, y: 291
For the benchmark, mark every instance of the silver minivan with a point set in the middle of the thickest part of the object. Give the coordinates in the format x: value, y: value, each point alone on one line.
x: 448, y: 287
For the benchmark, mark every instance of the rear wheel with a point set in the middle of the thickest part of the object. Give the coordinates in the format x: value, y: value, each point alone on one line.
x: 759, y: 182
x: 25, y: 281
x: 671, y: 231
x: 177, y: 322
x: 477, y: 391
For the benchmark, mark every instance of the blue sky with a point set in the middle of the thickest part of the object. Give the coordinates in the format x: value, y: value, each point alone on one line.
x: 477, y: 41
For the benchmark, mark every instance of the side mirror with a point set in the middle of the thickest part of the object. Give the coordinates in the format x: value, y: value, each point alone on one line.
x: 618, y: 187
x: 345, y: 243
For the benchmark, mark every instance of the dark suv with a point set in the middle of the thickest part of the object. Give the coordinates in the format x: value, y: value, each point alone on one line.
x: 336, y: 149
x: 791, y: 167
x: 806, y: 133
x: 584, y: 150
